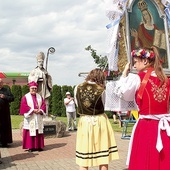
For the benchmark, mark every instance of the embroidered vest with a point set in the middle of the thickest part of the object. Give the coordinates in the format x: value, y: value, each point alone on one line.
x: 89, y: 99
x: 155, y: 99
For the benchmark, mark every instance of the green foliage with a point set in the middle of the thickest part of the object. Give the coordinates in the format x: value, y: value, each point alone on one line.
x: 25, y: 90
x: 16, y: 120
x: 56, y: 101
x: 101, y: 61
x: 65, y: 89
x: 6, y: 86
x: 15, y: 105
x: 50, y: 104
x: 109, y: 114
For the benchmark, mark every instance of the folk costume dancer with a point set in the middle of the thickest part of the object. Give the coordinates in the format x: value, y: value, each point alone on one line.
x: 95, y: 144
x: 150, y: 142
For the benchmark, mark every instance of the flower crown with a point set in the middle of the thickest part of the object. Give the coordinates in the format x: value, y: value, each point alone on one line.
x: 143, y: 54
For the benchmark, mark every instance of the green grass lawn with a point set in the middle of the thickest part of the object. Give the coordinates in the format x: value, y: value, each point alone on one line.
x: 17, y: 119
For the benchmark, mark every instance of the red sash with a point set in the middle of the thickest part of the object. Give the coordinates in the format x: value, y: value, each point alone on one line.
x: 144, y: 82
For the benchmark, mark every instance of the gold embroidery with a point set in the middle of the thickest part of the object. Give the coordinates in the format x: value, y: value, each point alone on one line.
x: 87, y: 95
x: 159, y: 93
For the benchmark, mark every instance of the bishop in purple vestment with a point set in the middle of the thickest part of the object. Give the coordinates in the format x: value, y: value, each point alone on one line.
x: 33, y: 109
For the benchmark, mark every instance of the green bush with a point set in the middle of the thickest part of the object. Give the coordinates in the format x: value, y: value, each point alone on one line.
x: 15, y: 105
x: 56, y: 106
x: 109, y: 114
x: 25, y: 89
x: 56, y: 101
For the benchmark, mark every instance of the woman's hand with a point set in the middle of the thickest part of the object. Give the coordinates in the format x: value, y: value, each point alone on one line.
x: 126, y: 70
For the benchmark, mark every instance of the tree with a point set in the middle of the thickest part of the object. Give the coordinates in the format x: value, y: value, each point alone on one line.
x: 56, y: 100
x: 15, y: 105
x: 50, y: 103
x: 101, y: 61
x: 25, y: 90
x: 56, y: 106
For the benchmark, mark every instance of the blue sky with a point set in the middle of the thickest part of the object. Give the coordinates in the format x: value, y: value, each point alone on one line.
x: 31, y: 26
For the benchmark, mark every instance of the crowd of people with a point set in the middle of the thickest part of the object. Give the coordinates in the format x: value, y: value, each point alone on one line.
x: 95, y: 143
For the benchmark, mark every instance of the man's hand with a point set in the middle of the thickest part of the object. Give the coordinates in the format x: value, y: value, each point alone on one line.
x: 2, y: 96
x: 37, y: 111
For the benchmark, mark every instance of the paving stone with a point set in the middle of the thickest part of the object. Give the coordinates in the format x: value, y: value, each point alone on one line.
x: 58, y: 154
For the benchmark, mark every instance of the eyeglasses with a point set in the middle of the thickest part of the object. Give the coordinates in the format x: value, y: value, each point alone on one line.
x: 34, y: 88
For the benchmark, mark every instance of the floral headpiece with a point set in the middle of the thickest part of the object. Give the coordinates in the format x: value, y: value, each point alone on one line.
x: 143, y: 54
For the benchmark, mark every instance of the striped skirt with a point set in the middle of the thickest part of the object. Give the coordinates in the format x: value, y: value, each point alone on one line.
x: 95, y: 143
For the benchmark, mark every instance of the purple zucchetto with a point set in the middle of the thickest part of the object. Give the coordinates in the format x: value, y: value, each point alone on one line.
x: 33, y: 83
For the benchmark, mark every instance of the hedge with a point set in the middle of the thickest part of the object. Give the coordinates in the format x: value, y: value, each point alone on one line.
x: 56, y: 100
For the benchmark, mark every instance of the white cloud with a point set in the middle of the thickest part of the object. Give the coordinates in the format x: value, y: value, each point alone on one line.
x: 29, y: 26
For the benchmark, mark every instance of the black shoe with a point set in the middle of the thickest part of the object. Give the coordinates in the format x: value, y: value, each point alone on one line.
x: 40, y: 149
x: 75, y: 129
x: 4, y: 145
x: 70, y: 130
x: 31, y: 150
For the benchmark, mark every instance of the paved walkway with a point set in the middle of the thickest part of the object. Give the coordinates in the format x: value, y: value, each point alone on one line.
x: 58, y: 154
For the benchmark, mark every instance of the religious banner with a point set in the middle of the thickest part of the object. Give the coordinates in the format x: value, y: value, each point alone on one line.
x: 134, y: 24
x: 148, y: 27
x: 114, y: 11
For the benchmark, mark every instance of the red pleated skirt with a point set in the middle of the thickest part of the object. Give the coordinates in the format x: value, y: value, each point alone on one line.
x: 144, y: 155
